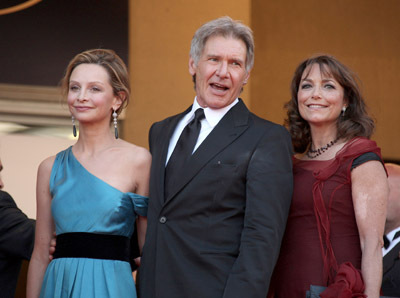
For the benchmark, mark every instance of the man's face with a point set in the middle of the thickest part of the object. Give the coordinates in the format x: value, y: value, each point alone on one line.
x: 220, y: 72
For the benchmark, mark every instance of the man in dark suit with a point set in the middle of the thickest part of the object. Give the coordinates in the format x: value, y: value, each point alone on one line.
x: 17, y: 234
x: 216, y: 215
x: 391, y: 250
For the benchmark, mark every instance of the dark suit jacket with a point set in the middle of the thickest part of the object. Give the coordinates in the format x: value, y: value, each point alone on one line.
x: 17, y: 234
x: 391, y: 273
x: 219, y: 232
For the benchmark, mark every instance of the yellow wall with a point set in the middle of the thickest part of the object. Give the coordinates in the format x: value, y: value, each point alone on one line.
x: 363, y: 34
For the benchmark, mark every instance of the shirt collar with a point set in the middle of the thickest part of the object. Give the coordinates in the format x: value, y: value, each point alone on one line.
x: 213, y: 116
x: 391, y: 234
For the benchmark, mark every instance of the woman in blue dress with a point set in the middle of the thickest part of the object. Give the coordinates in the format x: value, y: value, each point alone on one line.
x: 92, y: 193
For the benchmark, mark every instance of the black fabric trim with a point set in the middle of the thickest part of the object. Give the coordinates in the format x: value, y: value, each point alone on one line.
x: 93, y: 246
x: 368, y: 156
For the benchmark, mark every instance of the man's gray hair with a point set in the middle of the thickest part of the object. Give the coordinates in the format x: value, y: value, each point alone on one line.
x: 225, y: 27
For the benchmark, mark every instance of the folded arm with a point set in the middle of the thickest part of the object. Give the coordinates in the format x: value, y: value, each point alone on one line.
x: 17, y: 231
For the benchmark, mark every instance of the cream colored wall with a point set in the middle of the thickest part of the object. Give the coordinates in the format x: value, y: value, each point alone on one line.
x: 21, y: 155
x: 363, y: 34
x: 160, y: 36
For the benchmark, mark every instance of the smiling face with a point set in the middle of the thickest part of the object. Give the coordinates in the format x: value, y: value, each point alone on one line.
x: 90, y: 95
x: 220, y: 72
x: 320, y: 97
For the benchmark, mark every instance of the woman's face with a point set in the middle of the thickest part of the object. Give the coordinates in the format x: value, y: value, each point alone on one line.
x: 90, y: 95
x: 320, y: 97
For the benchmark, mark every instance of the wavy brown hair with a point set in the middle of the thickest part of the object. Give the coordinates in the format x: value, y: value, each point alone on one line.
x: 355, y: 122
x: 111, y: 62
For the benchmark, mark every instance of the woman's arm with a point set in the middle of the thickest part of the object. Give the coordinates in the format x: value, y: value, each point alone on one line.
x: 44, y: 230
x: 143, y: 189
x: 142, y: 227
x: 370, y: 191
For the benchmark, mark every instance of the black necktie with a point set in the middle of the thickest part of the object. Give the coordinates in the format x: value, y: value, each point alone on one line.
x: 386, y: 241
x: 183, y: 151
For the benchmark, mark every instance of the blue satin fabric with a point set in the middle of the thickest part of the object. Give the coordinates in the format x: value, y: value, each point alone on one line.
x: 84, y: 203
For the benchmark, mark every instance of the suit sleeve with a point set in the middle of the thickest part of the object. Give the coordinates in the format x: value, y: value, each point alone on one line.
x: 269, y: 186
x: 17, y: 231
x: 151, y: 136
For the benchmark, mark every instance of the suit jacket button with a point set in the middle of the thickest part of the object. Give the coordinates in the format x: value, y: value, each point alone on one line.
x: 163, y: 219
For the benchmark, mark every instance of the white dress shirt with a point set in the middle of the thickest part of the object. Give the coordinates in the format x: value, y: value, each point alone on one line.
x: 393, y: 243
x: 212, y: 117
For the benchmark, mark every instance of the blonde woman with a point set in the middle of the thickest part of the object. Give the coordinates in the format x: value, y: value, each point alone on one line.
x: 92, y: 192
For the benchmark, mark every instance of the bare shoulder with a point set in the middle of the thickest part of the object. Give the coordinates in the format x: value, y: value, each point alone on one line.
x: 43, y: 180
x: 371, y: 168
x: 46, y: 165
x: 369, y: 177
x: 134, y: 154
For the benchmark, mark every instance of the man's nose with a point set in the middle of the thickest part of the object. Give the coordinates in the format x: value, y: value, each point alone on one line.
x: 222, y: 70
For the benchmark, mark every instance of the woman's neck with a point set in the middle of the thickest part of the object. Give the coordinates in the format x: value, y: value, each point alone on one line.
x: 324, y: 143
x: 93, y: 139
x: 321, y: 136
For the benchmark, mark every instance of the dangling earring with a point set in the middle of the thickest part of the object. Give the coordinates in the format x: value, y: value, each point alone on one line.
x: 344, y: 110
x: 73, y: 126
x: 115, y: 115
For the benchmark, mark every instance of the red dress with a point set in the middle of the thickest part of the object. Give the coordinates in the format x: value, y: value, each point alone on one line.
x: 321, y: 230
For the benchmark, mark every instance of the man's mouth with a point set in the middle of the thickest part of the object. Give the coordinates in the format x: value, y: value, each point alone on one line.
x: 218, y: 87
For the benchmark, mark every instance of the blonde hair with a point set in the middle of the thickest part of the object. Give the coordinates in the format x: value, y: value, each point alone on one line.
x: 111, y: 62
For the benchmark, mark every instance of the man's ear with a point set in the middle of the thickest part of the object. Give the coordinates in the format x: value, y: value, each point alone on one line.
x: 192, y: 66
x: 246, y: 78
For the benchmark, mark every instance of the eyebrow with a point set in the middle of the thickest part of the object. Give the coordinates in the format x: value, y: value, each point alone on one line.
x: 323, y: 80
x: 231, y: 59
x: 92, y: 82
x: 238, y: 60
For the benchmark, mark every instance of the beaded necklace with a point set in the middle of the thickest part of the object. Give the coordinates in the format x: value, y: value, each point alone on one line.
x: 317, y: 152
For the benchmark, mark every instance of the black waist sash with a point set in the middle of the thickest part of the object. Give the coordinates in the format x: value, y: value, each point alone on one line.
x: 93, y: 246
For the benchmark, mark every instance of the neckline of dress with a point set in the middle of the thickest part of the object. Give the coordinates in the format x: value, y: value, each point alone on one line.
x: 93, y: 175
x: 346, y: 145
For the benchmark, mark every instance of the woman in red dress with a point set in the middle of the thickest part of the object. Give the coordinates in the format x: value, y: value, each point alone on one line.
x: 336, y: 222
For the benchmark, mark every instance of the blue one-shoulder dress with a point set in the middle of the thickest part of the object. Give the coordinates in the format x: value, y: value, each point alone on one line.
x: 84, y: 203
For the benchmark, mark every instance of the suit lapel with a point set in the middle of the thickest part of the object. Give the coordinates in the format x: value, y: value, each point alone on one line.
x: 231, y: 126
x: 390, y: 257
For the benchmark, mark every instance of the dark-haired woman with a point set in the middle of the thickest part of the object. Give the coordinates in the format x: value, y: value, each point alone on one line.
x: 334, y: 232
